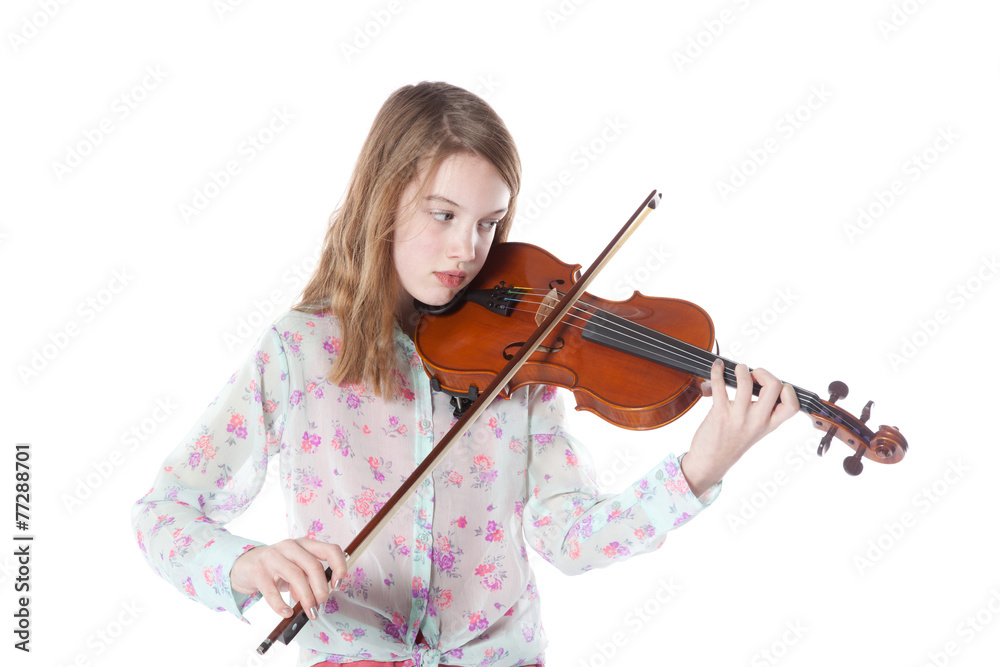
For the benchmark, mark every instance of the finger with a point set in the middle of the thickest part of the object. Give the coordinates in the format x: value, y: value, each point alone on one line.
x: 338, y: 565
x: 270, y: 593
x: 338, y: 568
x: 718, y: 384
x: 744, y: 387
x: 335, y: 560
x: 789, y: 403
x: 770, y: 388
x: 288, y: 575
x: 332, y: 554
x: 306, y: 576
x: 281, y: 569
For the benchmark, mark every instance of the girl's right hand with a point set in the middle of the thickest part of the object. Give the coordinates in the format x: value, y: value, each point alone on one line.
x: 289, y: 565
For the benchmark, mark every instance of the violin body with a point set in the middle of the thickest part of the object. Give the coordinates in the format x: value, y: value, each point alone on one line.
x: 619, y: 386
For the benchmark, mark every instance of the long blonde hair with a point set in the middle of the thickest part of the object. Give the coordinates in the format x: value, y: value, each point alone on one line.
x: 356, y: 278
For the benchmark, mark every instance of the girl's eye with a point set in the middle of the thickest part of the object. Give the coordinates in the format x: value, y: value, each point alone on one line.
x: 442, y: 216
x: 487, y: 225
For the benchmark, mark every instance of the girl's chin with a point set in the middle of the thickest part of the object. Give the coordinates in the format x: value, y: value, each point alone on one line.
x: 439, y: 297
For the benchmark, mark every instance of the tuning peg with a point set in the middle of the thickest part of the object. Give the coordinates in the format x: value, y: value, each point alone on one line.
x: 824, y: 444
x: 852, y: 464
x: 838, y: 390
x: 867, y: 412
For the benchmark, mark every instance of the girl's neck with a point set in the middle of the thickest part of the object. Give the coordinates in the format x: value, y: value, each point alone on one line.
x: 406, y: 315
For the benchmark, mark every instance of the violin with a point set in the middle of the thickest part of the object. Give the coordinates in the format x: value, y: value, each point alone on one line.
x: 526, y: 319
x: 636, y: 363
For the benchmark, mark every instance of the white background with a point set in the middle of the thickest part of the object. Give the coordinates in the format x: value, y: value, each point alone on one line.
x: 887, y: 568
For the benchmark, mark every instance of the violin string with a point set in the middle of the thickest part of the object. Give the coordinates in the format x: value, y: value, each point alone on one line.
x: 683, y: 356
x: 690, y: 365
x: 680, y: 356
x: 675, y: 354
x: 691, y: 357
x: 640, y: 331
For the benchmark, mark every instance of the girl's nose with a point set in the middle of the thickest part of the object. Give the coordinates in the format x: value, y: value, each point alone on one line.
x: 462, y: 243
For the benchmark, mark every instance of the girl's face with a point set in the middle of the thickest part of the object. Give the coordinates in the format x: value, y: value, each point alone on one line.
x: 444, y: 232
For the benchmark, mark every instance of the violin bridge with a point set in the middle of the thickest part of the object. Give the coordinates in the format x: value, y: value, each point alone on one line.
x: 548, y: 304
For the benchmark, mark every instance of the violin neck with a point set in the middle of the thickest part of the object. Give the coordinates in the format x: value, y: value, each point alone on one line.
x: 806, y: 398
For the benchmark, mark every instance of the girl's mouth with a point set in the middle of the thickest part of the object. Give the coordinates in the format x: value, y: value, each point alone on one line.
x: 450, y: 279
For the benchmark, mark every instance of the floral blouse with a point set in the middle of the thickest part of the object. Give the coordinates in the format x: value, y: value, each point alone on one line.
x: 453, y: 564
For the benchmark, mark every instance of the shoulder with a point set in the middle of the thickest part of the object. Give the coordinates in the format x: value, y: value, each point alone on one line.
x: 302, y: 322
x: 298, y: 331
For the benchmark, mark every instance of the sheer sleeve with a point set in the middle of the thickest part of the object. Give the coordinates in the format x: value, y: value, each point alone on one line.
x: 575, y: 527
x: 210, y: 479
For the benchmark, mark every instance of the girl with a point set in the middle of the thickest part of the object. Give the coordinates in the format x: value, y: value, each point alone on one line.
x: 336, y: 390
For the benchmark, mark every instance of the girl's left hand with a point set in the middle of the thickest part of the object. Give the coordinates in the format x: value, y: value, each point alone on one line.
x: 732, y: 426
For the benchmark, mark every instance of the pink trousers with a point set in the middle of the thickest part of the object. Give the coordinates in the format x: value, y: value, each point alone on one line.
x: 369, y: 663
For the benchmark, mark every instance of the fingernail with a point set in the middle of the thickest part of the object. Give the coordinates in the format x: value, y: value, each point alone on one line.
x: 718, y: 362
x: 338, y: 585
x: 313, y: 612
x: 286, y: 612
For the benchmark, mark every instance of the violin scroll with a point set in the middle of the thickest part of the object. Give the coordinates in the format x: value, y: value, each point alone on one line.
x: 887, y: 445
x: 888, y: 440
